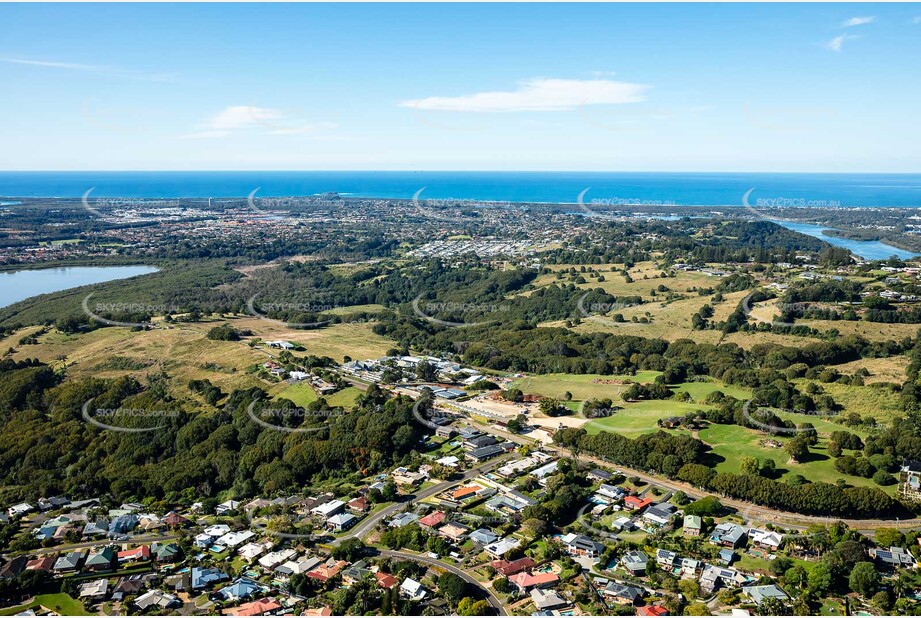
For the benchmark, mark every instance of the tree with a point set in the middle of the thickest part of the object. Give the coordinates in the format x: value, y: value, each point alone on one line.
x: 469, y: 607
x: 349, y: 550
x: 453, y: 587
x: 864, y: 579
x: 819, y: 579
x: 696, y: 609
x: 889, y: 537
x: 748, y: 465
x: 689, y: 588
x: 798, y: 448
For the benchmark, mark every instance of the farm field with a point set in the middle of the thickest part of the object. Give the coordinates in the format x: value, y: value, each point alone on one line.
x: 582, y: 387
x: 184, y: 350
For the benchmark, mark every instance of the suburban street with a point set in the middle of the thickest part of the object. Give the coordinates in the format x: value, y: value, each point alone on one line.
x: 492, y: 598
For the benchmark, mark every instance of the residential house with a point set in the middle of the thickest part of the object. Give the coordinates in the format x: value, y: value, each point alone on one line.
x: 328, y: 509
x: 660, y: 514
x: 341, y: 522
x: 765, y: 539
x: 260, y: 607
x: 599, y: 475
x: 275, y: 558
x: 622, y: 593
x: 385, y: 580
x: 909, y: 480
x: 547, y: 600
x: 581, y: 545
x: 327, y: 571
x: 508, y: 568
x: 526, y: 580
x: 138, y: 554
x: 156, y: 599
x: 483, y: 536
x: 652, y: 610
x: 166, y: 552
x: 485, y: 453
x: 71, y: 562
x: 611, y: 493
x: 226, y: 507
x: 728, y: 534
x: 242, y: 588
x: 432, y: 519
x: 759, y: 594
x: 693, y: 525
x: 635, y: 561
x: 42, y: 563
x: 453, y: 531
x: 402, y: 519
x: 499, y: 548
x: 666, y: 559
x: 635, y: 503
x: 359, y: 505
x: 894, y: 558
x: 13, y: 567
x: 412, y: 589
x: 101, y: 560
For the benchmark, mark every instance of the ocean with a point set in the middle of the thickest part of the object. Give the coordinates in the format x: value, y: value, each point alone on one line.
x: 614, y: 189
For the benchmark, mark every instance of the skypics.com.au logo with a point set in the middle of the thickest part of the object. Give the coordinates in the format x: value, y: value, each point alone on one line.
x: 283, y: 206
x: 598, y: 206
x: 123, y: 419
x: 290, y: 420
x: 125, y: 208
x: 297, y: 308
x: 124, y: 309
x: 424, y: 309
x: 438, y: 209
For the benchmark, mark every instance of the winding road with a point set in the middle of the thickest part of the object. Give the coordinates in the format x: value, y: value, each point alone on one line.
x: 470, y: 579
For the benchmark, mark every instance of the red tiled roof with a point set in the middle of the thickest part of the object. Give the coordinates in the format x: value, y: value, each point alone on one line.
x: 651, y: 610
x: 432, y: 519
x: 636, y: 502
x: 527, y: 580
x: 515, y: 566
x: 40, y: 564
x: 386, y: 580
x: 256, y: 608
x: 142, y: 552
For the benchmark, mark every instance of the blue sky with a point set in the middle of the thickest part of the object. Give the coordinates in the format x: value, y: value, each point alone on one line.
x: 614, y: 87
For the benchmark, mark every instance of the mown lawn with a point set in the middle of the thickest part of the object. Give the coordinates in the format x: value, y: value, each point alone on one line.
x: 641, y: 417
x: 731, y: 443
x: 60, y: 602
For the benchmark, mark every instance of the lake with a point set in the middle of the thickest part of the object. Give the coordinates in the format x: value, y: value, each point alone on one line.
x: 22, y: 284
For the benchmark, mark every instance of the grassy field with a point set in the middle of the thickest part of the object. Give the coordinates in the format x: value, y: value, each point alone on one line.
x: 61, y: 603
x: 731, y: 443
x: 582, y: 387
x: 185, y: 352
x: 641, y: 417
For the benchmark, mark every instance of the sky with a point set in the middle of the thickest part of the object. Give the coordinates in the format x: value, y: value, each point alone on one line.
x: 590, y: 87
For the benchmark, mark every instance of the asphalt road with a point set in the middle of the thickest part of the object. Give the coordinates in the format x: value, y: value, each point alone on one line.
x: 490, y: 597
x: 368, y: 524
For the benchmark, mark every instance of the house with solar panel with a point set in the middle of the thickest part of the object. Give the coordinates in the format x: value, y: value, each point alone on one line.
x: 910, y: 479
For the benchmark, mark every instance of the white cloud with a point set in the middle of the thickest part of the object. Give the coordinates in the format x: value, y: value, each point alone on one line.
x: 538, y: 95
x: 858, y: 21
x: 837, y: 43
x: 91, y: 68
x: 242, y: 117
x: 270, y: 121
